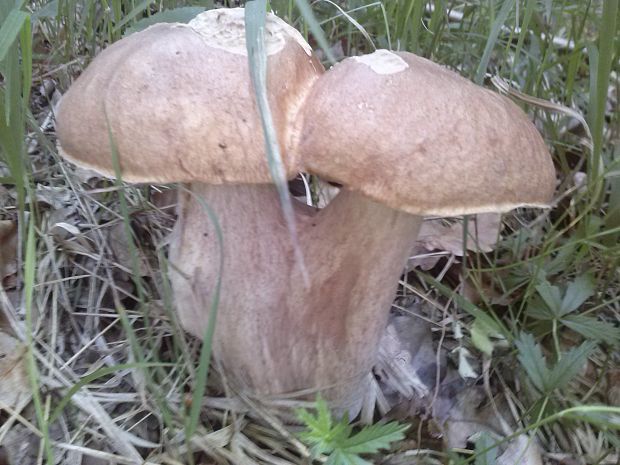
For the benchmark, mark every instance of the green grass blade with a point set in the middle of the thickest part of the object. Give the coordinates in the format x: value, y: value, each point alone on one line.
x: 12, y: 130
x: 133, y: 340
x: 89, y: 378
x: 315, y: 28
x: 255, y: 14
x: 416, y: 25
x: 141, y: 8
x: 30, y: 266
x: 26, y: 49
x: 607, y: 56
x: 601, y: 57
x: 502, y: 16
x: 490, y: 321
x: 178, y: 15
x: 486, y: 451
x: 612, y: 219
x: 354, y: 23
x: 10, y: 30
x: 527, y: 16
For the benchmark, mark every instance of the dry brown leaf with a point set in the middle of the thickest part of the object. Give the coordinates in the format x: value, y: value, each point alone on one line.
x: 613, y: 387
x: 325, y: 193
x: 522, y: 450
x: 54, y: 196
x: 22, y: 446
x: 61, y: 226
x: 119, y: 244
x: 90, y: 460
x: 321, y: 192
x: 5, y: 194
x: 483, y: 291
x: 483, y: 231
x: 85, y: 175
x: 455, y: 410
x: 14, y: 386
x: 462, y: 411
x: 407, y: 361
x: 8, y: 248
x: 67, y: 214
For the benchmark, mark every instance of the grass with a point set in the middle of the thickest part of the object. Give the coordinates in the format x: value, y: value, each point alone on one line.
x: 114, y: 376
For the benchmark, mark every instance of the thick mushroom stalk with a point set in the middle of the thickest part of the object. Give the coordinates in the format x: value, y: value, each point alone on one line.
x: 274, y: 335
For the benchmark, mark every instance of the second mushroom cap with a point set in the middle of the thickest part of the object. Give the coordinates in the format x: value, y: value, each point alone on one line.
x: 418, y: 137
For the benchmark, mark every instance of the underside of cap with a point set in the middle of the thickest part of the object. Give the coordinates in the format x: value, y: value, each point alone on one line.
x: 420, y: 138
x: 178, y: 104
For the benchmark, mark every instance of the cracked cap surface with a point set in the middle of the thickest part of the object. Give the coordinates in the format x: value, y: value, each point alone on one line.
x: 180, y: 104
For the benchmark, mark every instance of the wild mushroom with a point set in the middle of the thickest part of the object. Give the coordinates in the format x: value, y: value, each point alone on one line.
x: 405, y: 137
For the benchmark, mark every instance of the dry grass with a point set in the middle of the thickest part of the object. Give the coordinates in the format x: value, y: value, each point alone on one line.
x: 106, y: 374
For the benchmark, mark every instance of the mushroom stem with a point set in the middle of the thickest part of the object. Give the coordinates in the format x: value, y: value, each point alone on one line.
x: 274, y: 335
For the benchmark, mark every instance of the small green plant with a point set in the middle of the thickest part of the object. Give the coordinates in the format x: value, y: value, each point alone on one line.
x: 559, y: 307
x: 546, y: 379
x: 339, y: 443
x: 486, y: 453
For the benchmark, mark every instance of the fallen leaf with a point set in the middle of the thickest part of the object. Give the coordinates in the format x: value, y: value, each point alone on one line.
x: 55, y: 197
x: 65, y: 230
x: 483, y: 290
x: 462, y: 411
x: 61, y: 225
x: 466, y: 370
x: 119, y: 244
x: 8, y: 249
x: 85, y: 175
x: 21, y: 446
x: 483, y: 232
x: 406, y: 362
x: 522, y: 450
x: 67, y: 214
x: 456, y: 408
x: 613, y: 387
x: 14, y: 386
x: 71, y: 239
x: 321, y: 192
x: 5, y: 195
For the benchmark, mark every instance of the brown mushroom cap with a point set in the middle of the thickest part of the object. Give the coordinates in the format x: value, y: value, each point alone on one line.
x: 180, y: 103
x: 418, y: 137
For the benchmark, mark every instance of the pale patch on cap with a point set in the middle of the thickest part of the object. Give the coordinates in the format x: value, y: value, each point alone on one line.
x: 225, y: 29
x: 383, y: 62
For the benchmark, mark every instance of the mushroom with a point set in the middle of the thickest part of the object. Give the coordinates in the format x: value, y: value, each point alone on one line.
x: 405, y: 138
